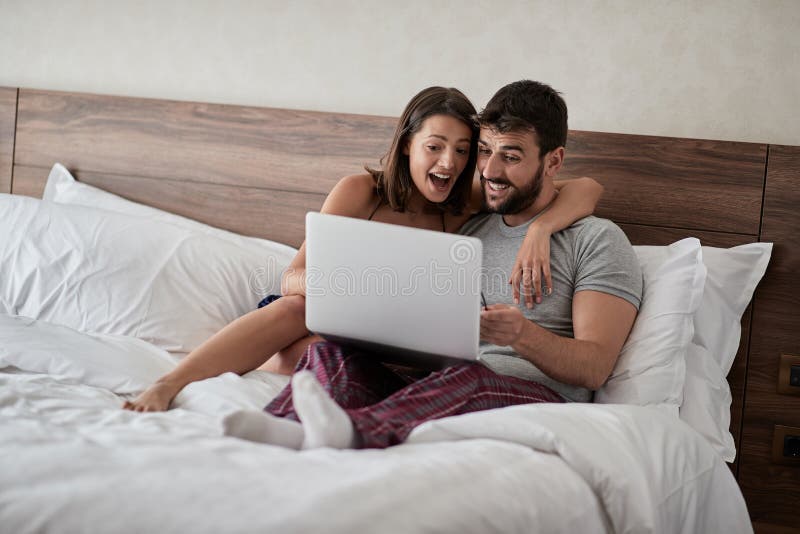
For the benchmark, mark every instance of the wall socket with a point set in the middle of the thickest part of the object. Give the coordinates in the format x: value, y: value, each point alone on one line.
x: 789, y: 375
x: 786, y: 445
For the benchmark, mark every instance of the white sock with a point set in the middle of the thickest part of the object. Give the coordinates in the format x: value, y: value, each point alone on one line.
x: 325, y: 424
x: 263, y: 428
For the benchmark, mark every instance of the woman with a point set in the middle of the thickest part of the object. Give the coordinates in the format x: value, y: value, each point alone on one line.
x: 427, y: 181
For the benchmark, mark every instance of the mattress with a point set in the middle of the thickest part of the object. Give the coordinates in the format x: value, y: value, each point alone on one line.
x: 71, y: 460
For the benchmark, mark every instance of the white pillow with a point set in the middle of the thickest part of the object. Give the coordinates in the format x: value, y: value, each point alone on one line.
x: 732, y: 278
x: 707, y: 401
x: 733, y: 275
x: 117, y: 363
x: 99, y: 271
x: 651, y: 366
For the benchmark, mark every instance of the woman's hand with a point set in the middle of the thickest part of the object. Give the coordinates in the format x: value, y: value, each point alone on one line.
x: 532, y: 266
x: 575, y: 199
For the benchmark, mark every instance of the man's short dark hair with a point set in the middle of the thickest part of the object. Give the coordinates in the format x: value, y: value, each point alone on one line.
x: 528, y: 105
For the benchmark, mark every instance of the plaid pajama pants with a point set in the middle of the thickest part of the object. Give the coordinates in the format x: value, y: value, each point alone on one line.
x: 385, y: 406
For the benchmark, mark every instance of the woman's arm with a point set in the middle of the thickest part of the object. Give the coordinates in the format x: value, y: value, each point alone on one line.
x: 293, y: 279
x: 352, y: 196
x: 576, y: 199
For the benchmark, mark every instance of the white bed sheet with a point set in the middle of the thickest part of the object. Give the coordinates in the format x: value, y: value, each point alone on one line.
x: 72, y: 461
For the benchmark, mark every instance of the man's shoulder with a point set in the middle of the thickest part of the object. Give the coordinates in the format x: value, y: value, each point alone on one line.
x: 595, y: 238
x: 476, y: 223
x: 606, y: 261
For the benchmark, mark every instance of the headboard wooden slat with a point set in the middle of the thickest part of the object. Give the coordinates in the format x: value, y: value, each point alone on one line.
x: 665, y: 181
x: 655, y: 181
x: 30, y: 181
x: 641, y: 234
x: 300, y: 151
x: 8, y: 121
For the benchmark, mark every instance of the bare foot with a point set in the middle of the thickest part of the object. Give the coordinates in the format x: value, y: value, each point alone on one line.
x: 156, y: 398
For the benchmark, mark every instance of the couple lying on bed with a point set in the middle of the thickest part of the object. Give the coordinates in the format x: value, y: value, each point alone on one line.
x: 537, y: 345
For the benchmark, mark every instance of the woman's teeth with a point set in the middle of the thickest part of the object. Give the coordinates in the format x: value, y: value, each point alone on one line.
x: 439, y: 180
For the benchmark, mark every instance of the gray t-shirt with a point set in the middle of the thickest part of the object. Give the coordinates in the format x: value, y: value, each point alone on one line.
x: 592, y: 254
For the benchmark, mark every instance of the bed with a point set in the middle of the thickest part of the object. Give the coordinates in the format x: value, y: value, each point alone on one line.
x: 162, y: 220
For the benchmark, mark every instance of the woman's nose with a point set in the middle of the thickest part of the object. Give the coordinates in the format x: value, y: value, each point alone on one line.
x: 446, y: 160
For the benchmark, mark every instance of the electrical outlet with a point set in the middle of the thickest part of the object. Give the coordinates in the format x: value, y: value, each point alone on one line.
x: 791, y: 446
x: 786, y: 445
x: 794, y: 376
x: 789, y: 375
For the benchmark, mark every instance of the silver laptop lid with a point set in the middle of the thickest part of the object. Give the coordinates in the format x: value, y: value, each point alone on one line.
x: 385, y: 287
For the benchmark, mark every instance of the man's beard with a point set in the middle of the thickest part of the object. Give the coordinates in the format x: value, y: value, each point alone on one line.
x: 516, y: 200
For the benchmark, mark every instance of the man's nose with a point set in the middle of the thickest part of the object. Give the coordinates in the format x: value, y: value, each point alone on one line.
x: 491, y: 167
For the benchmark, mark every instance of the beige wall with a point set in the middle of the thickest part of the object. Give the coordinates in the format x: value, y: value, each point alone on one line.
x: 722, y: 69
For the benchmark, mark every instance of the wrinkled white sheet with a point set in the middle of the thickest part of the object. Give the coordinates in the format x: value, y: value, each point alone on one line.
x: 72, y: 461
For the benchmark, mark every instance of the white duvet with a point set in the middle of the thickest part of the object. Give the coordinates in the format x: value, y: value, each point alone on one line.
x: 72, y: 461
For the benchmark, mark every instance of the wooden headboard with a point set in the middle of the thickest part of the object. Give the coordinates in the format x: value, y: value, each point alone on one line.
x: 256, y: 171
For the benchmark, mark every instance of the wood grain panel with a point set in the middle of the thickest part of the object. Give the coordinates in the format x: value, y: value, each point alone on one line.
x: 659, y: 181
x: 8, y: 120
x: 29, y: 181
x: 773, y: 491
x: 253, y: 147
x: 664, y: 181
x: 244, y: 210
x: 654, y: 235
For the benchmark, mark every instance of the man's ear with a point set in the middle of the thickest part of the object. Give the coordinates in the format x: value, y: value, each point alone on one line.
x: 553, y: 162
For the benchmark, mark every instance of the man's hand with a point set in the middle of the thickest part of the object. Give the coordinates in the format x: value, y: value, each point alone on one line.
x: 502, y: 324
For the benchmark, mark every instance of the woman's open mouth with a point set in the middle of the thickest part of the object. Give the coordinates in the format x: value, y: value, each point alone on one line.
x: 441, y: 182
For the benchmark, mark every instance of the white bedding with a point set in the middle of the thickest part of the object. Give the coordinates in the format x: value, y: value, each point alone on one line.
x: 72, y: 461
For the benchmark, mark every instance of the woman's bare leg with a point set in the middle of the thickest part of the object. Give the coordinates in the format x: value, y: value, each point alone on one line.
x: 284, y: 361
x: 240, y: 347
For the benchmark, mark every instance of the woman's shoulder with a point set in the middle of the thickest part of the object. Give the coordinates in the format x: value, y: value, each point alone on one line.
x: 358, y: 183
x: 352, y: 196
x: 453, y: 223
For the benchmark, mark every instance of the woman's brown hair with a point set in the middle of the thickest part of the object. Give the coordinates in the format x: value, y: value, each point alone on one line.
x: 393, y: 182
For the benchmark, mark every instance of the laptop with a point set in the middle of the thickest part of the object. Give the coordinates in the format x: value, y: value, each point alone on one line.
x: 407, y: 296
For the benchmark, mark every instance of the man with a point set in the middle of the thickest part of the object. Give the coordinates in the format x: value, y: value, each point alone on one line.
x: 571, y: 340
x: 559, y: 350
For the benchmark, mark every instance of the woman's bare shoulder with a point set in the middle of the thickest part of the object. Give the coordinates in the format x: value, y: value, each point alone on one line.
x: 363, y: 184
x: 352, y: 196
x: 453, y: 223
